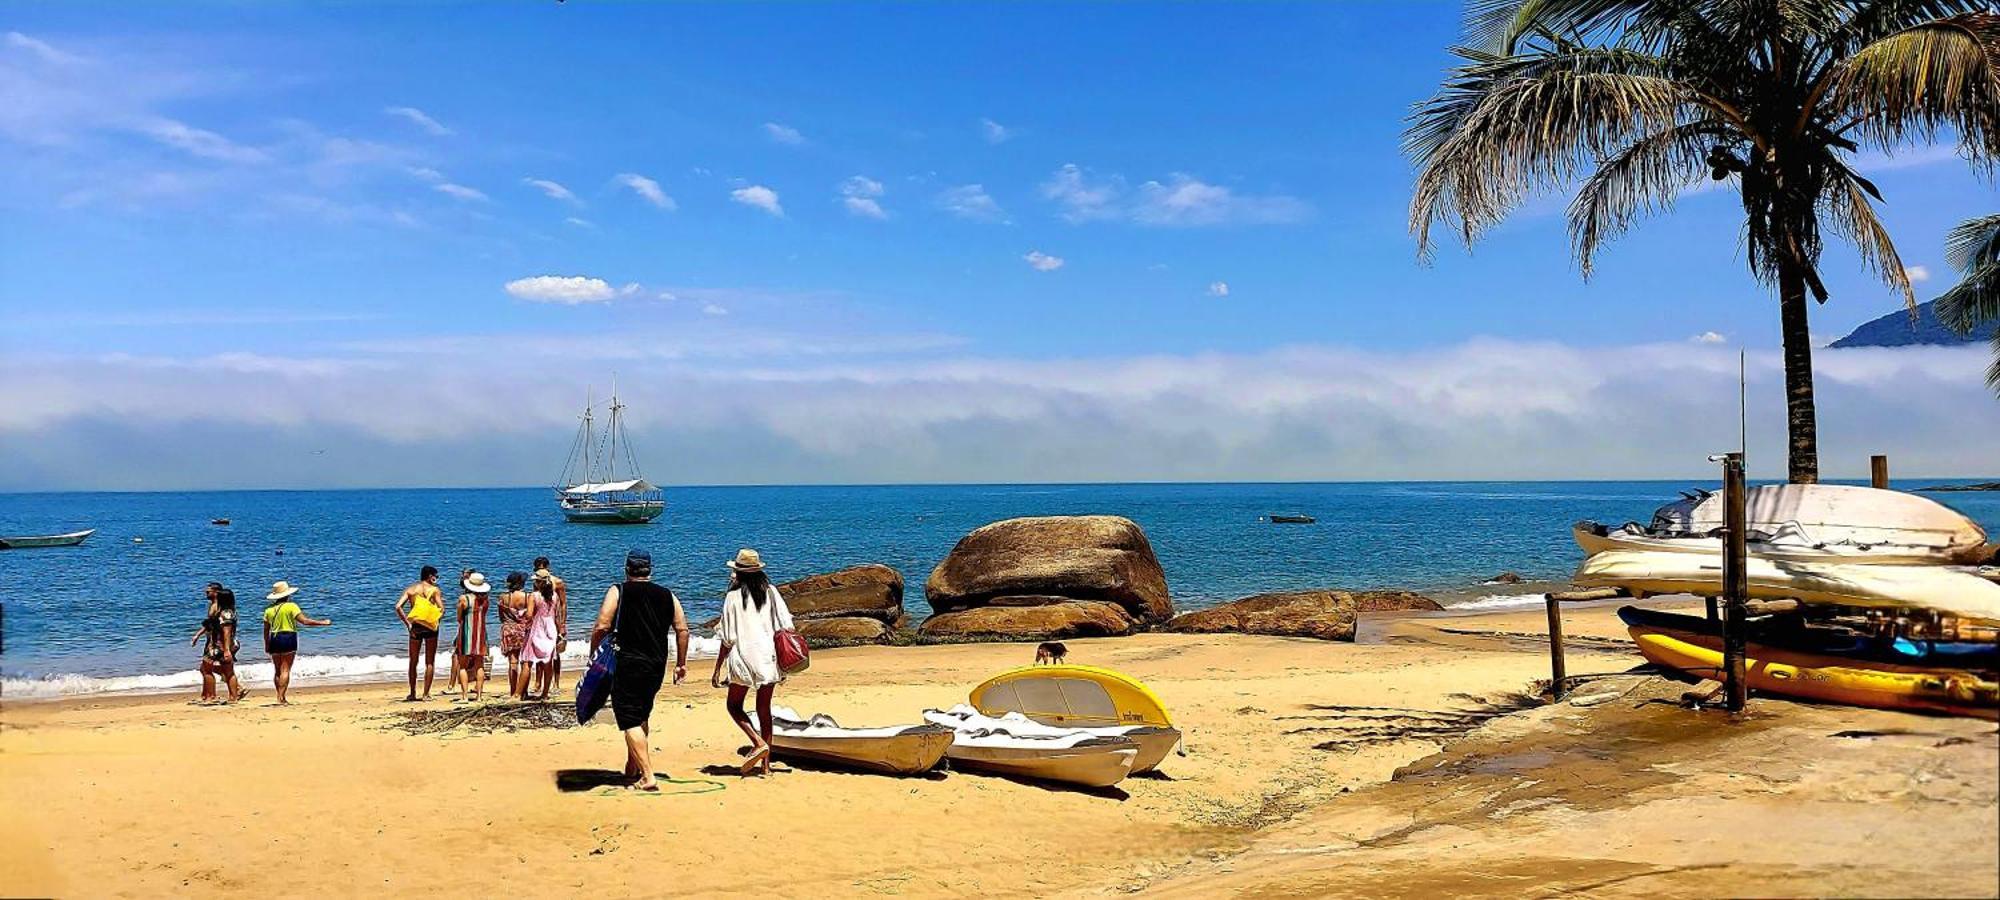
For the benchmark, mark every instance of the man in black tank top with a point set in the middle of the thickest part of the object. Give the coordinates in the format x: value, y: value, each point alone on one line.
x: 640, y: 616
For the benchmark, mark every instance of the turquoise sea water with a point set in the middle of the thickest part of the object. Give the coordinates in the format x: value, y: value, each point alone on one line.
x: 116, y: 612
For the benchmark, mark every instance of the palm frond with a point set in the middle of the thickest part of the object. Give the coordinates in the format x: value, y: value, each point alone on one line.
x: 1640, y: 180
x: 1973, y: 301
x: 1972, y: 243
x: 1938, y: 75
x: 1505, y: 127
x: 1848, y: 203
x: 1500, y: 25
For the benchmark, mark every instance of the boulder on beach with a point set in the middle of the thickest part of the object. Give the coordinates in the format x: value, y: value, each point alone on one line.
x: 871, y: 591
x: 1327, y: 615
x: 1069, y: 558
x: 1040, y: 622
x: 843, y: 631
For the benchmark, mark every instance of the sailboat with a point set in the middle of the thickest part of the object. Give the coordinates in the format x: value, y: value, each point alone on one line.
x: 592, y: 490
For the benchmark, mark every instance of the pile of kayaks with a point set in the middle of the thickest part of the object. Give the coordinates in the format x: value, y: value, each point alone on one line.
x: 1894, y: 610
x: 1074, y: 725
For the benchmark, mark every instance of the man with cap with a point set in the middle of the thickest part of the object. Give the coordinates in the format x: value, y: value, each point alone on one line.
x: 640, y: 617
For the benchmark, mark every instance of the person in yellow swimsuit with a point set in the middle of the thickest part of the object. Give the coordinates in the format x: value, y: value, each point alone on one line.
x: 282, y: 618
x: 425, y: 609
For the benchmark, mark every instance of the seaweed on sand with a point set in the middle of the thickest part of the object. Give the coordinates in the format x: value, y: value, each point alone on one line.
x: 1362, y: 726
x: 484, y: 718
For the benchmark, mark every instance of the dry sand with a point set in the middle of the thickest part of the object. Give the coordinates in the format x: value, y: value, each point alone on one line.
x: 1289, y: 787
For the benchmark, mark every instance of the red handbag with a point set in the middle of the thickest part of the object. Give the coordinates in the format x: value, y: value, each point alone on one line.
x: 794, y: 656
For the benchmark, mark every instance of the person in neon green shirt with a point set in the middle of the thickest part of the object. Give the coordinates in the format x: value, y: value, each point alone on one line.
x: 282, y: 618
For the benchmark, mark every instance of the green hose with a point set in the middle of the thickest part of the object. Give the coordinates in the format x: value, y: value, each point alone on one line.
x: 699, y: 785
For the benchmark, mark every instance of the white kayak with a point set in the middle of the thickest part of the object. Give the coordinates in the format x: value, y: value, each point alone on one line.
x: 895, y: 749
x: 1785, y: 543
x: 1838, y: 516
x: 1957, y: 591
x: 1155, y: 742
x: 1077, y: 758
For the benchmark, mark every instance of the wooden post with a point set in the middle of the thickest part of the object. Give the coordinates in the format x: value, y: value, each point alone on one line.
x: 1878, y: 471
x: 1557, y: 671
x: 1735, y: 582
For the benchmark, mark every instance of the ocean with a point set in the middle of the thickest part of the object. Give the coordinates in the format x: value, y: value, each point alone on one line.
x: 115, y: 614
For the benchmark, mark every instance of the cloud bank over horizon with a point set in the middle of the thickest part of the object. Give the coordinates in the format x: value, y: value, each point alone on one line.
x: 860, y: 413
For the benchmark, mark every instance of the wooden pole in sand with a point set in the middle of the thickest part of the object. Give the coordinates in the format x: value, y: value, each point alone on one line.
x: 1878, y: 471
x: 1557, y: 672
x: 1735, y: 583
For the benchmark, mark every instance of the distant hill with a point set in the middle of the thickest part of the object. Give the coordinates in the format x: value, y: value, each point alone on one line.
x: 1896, y: 330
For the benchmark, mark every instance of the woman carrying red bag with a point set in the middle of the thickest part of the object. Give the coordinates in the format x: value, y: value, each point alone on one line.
x: 754, y: 619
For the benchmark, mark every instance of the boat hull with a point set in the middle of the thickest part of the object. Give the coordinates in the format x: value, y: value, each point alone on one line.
x: 916, y: 750
x: 1096, y: 764
x: 1877, y: 555
x: 32, y: 542
x: 1817, y: 677
x: 1940, y: 589
x: 620, y: 514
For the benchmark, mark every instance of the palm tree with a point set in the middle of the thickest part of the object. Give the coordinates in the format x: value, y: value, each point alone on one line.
x: 1635, y: 101
x: 1974, y: 249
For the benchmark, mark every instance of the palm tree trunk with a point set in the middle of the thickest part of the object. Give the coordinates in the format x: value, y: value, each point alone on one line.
x: 1801, y: 422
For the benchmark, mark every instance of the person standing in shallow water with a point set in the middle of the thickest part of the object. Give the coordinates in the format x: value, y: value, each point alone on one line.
x: 514, y: 608
x: 540, y: 653
x: 753, y: 612
x: 640, y: 616
x: 426, y: 610
x: 282, y: 617
x: 561, y: 594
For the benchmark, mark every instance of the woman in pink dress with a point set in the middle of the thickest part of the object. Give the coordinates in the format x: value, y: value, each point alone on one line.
x: 540, y: 652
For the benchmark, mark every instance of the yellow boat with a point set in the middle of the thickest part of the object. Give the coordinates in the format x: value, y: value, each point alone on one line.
x: 1827, y: 679
x: 1073, y: 696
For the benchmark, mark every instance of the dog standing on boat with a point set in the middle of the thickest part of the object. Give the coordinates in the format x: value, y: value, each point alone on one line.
x: 1051, y: 653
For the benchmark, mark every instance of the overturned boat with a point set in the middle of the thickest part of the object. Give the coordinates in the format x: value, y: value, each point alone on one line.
x: 1808, y: 523
x: 1105, y: 702
x: 1075, y: 757
x: 893, y: 749
x: 1948, y: 590
x: 1154, y: 742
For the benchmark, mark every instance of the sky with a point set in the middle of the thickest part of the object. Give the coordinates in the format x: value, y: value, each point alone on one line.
x: 351, y: 245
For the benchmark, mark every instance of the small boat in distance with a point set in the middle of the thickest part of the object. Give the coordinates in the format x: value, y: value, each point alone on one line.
x: 45, y: 540
x: 591, y: 490
x: 1290, y: 520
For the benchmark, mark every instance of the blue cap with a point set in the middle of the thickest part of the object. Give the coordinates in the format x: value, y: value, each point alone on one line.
x: 638, y: 557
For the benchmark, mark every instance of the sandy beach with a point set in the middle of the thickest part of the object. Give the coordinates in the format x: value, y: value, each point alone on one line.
x: 1414, y: 765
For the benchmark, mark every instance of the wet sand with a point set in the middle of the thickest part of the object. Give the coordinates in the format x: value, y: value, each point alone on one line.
x: 1290, y: 786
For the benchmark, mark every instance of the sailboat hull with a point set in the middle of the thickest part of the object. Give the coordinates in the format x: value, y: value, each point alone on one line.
x: 615, y: 514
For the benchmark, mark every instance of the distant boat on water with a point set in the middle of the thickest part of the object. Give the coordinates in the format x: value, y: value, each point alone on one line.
x: 1291, y: 520
x: 592, y: 490
x: 45, y: 540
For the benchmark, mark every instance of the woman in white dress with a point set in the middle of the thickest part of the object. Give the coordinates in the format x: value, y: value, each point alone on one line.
x: 753, y: 612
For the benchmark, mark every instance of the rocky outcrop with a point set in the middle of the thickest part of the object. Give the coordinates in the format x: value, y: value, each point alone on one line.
x: 1505, y: 578
x: 856, y: 605
x: 1326, y: 615
x: 1040, y: 622
x: 1045, y: 578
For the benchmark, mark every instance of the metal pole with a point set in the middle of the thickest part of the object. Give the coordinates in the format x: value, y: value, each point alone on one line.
x: 1878, y: 471
x: 1735, y: 583
x: 1557, y: 671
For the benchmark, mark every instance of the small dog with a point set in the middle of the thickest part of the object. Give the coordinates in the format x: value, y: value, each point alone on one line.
x: 1051, y: 653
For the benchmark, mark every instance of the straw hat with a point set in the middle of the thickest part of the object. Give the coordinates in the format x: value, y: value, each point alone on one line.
x: 280, y: 591
x: 747, y: 560
x: 543, y: 575
x: 476, y: 583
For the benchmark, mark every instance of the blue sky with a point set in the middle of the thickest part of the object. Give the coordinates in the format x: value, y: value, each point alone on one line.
x: 1118, y: 240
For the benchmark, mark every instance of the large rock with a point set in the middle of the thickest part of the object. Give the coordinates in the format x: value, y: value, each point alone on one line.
x: 1326, y: 615
x: 1097, y: 558
x: 871, y: 591
x: 843, y: 631
x: 1040, y: 622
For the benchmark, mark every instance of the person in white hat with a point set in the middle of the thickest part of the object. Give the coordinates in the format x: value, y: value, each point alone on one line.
x: 282, y: 618
x: 469, y: 651
x: 753, y: 612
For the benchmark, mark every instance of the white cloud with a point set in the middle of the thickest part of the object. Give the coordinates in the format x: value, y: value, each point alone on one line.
x: 1917, y: 274
x: 554, y: 190
x: 426, y: 173
x: 42, y: 49
x: 580, y: 223
x: 1182, y: 201
x: 760, y: 197
x: 972, y: 203
x: 711, y: 309
x: 1042, y: 262
x: 565, y: 290
x: 783, y: 134
x: 1710, y: 337
x: 1218, y: 289
x: 418, y: 118
x: 859, y: 195
x: 994, y: 132
x: 459, y: 191
x: 199, y: 142
x: 648, y: 190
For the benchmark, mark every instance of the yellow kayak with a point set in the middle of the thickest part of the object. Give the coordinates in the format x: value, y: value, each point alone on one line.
x: 1827, y: 679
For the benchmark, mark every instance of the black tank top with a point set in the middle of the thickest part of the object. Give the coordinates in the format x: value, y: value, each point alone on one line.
x: 645, y: 621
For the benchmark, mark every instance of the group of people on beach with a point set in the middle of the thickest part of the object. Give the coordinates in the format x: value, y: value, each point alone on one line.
x: 644, y: 620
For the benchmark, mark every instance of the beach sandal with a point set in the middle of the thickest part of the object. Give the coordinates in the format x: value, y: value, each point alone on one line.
x: 762, y: 755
